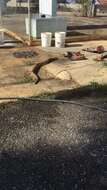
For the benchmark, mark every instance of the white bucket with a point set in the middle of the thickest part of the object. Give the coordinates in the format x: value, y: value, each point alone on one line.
x: 60, y: 39
x: 46, y: 39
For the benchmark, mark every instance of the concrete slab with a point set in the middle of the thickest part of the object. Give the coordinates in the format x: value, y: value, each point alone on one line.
x: 82, y: 72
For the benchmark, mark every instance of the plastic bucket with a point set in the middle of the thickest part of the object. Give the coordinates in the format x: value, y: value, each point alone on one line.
x: 46, y: 38
x: 60, y: 39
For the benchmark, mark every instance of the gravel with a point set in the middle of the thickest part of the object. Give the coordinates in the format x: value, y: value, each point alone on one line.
x: 52, y: 146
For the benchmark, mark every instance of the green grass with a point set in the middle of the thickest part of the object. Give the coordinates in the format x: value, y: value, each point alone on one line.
x: 94, y: 85
x: 46, y: 95
x: 29, y: 62
x: 104, y: 63
x: 27, y: 79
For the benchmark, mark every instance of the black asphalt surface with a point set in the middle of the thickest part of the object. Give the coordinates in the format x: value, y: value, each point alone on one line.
x: 52, y: 146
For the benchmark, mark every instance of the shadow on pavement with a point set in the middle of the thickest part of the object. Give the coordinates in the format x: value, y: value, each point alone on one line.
x: 46, y: 146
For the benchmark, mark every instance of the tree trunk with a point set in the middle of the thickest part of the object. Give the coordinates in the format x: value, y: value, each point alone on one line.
x: 95, y: 11
x: 88, y: 8
x: 84, y: 9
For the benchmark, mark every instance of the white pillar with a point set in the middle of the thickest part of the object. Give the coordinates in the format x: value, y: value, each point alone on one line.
x: 48, y: 7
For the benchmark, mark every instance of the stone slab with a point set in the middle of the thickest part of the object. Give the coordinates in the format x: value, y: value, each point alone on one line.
x: 81, y: 72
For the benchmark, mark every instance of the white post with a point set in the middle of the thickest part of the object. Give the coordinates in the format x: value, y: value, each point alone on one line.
x: 48, y: 7
x: 29, y: 21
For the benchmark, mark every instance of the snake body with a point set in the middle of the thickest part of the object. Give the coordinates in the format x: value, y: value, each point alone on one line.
x: 39, y: 65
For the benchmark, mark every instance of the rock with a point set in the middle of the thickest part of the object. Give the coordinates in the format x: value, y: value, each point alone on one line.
x: 34, y: 77
x: 64, y: 75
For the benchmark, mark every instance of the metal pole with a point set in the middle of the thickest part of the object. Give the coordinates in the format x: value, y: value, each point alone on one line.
x: 29, y: 21
x: 1, y: 23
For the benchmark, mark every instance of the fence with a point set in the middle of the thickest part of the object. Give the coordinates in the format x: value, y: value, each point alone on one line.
x: 13, y: 14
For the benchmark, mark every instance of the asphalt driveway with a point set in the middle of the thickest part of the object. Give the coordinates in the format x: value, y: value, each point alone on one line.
x: 52, y: 146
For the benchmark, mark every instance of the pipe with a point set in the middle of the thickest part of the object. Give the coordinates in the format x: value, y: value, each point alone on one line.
x: 56, y: 101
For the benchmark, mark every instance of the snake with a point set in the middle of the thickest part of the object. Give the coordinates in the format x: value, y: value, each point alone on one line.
x: 41, y: 64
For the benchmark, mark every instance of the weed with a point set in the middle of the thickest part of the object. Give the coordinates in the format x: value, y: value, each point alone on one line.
x: 104, y: 63
x: 29, y: 63
x: 98, y: 88
x: 95, y: 85
x: 46, y: 95
x: 27, y: 79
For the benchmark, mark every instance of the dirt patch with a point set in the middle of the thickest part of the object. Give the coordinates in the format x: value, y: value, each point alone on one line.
x: 14, y: 70
x: 59, y: 75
